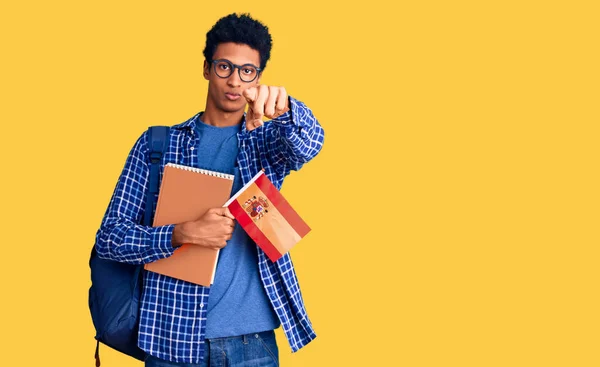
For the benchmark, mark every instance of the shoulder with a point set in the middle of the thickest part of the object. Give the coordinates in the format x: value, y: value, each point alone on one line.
x: 144, y: 140
x: 187, y: 124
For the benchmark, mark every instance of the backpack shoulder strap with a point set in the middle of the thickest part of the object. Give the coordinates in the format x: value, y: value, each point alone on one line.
x: 158, y: 142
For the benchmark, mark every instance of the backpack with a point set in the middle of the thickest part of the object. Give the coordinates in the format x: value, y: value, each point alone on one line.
x: 114, y: 297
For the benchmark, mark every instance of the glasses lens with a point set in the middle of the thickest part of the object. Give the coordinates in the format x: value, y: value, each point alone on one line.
x: 223, y: 68
x: 248, y: 73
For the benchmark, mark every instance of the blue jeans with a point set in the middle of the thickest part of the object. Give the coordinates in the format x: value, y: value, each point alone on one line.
x: 250, y: 350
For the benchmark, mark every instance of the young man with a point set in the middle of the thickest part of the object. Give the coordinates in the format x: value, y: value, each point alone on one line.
x: 232, y: 322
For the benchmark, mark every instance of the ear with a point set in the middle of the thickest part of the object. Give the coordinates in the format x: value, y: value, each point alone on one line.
x: 206, y: 69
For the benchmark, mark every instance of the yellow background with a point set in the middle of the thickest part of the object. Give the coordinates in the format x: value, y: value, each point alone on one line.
x: 454, y: 206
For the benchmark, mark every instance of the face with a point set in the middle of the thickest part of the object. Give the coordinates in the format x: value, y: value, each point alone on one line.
x: 225, y: 94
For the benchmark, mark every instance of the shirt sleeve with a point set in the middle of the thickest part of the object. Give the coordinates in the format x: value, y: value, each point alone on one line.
x: 121, y: 237
x: 295, y: 137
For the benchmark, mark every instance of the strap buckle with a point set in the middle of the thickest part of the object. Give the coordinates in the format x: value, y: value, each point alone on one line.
x: 155, y: 157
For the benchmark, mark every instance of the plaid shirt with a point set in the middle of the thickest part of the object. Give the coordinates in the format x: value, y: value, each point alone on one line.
x: 173, y: 312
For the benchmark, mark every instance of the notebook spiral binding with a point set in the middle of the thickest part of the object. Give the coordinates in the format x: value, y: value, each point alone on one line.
x: 200, y: 170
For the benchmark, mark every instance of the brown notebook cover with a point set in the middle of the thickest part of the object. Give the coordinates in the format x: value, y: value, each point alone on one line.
x: 186, y: 193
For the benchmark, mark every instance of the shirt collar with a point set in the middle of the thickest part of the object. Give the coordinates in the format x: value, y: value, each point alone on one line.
x: 190, y: 124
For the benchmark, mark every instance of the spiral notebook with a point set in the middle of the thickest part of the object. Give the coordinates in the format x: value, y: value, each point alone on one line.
x: 185, y: 194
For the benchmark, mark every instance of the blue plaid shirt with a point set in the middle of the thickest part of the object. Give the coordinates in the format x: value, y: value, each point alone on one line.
x: 173, y: 312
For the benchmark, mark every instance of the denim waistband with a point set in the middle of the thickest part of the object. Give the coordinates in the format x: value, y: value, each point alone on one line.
x: 244, y: 337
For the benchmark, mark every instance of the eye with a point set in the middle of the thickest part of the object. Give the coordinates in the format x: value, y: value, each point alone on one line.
x: 248, y: 71
x: 223, y: 66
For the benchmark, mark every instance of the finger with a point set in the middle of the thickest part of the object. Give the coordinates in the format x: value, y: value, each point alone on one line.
x: 270, y: 103
x: 282, y: 102
x: 222, y: 212
x: 250, y: 94
x: 226, y: 213
x: 259, y: 104
x: 249, y: 121
x: 214, y: 211
x: 253, y: 124
x: 216, y: 242
x: 219, y: 244
x: 229, y: 224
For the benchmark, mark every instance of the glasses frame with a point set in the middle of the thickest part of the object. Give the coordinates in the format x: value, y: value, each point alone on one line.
x: 233, y: 67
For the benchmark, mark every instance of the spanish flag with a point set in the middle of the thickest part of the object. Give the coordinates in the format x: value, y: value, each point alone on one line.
x: 267, y: 217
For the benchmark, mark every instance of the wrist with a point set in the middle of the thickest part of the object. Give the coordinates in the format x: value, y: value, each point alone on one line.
x: 178, y: 238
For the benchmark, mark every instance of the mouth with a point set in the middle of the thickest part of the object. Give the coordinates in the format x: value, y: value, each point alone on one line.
x: 233, y: 96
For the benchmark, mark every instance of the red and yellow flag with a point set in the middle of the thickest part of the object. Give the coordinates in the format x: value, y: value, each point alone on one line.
x: 267, y: 217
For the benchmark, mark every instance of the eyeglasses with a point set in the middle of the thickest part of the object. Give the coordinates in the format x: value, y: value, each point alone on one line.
x: 247, y: 72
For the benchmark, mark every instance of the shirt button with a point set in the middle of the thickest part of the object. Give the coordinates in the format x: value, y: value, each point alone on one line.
x: 192, y: 148
x: 201, y: 305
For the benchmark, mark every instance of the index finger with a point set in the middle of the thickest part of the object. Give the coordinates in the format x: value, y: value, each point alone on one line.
x: 250, y: 94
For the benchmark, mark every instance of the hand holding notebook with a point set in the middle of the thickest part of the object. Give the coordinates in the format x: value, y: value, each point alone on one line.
x: 212, y: 230
x: 194, y: 199
x: 185, y: 195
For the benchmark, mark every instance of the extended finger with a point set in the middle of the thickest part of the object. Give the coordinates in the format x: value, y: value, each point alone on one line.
x: 251, y: 123
x: 249, y: 120
x: 250, y: 94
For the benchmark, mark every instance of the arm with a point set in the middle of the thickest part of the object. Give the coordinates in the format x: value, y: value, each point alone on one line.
x: 294, y: 137
x: 121, y: 237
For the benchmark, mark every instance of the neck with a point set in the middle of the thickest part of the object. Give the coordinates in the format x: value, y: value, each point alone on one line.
x: 219, y: 118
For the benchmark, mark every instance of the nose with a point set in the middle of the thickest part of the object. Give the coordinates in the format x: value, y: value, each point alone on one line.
x: 234, y: 79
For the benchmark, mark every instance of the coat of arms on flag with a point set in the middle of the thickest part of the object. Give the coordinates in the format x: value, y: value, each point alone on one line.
x: 267, y: 217
x: 256, y: 207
